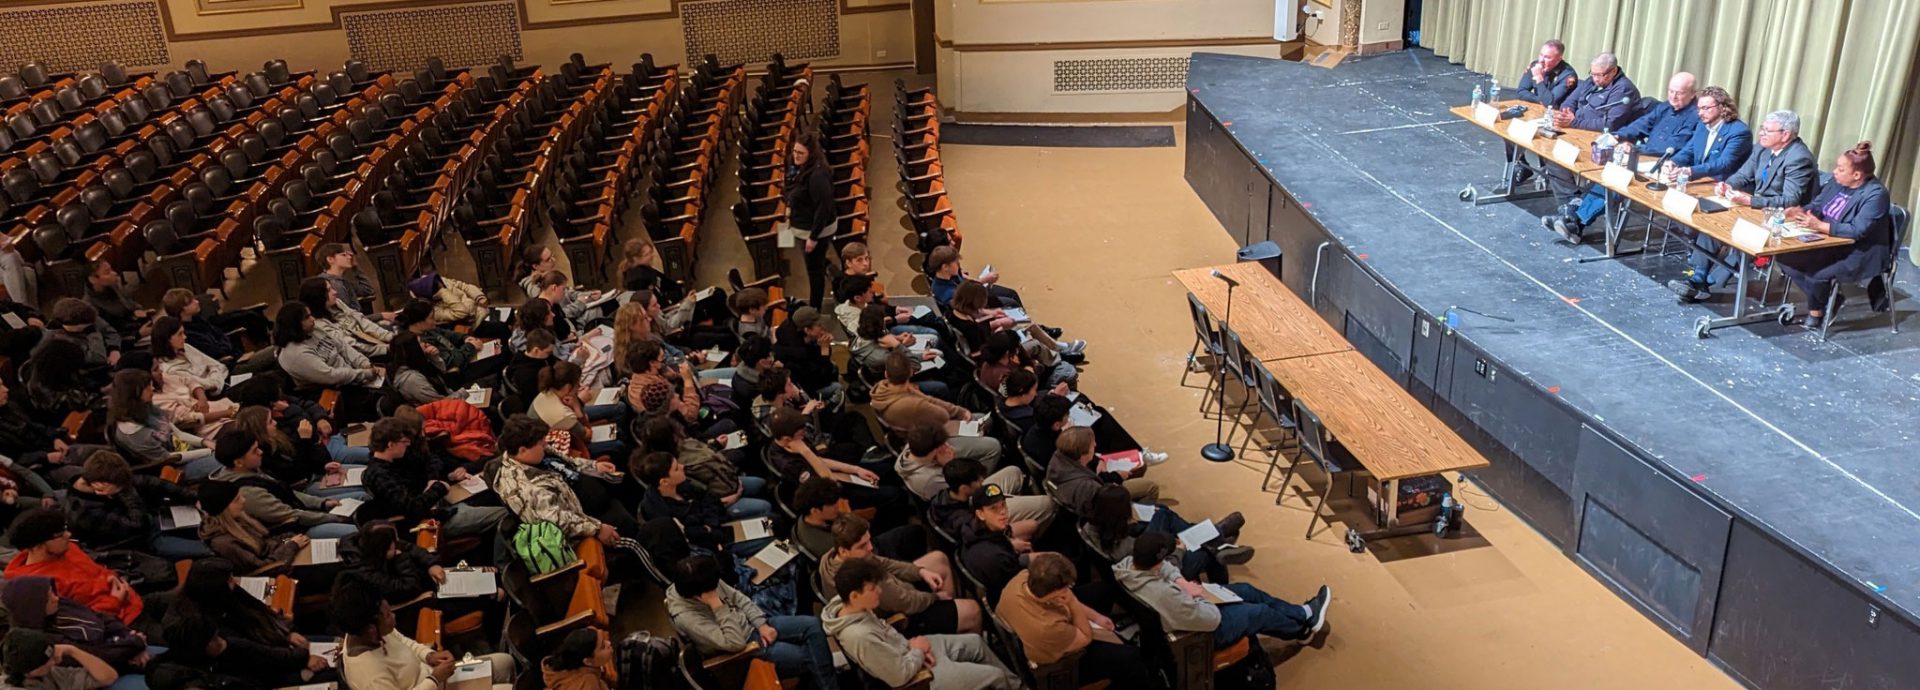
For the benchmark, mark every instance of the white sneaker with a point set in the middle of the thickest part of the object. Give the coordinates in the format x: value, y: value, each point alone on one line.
x: 1151, y: 457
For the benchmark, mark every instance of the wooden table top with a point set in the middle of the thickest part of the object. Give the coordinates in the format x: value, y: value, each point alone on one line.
x: 1719, y: 225
x: 1383, y: 426
x: 1579, y: 138
x: 1273, y: 323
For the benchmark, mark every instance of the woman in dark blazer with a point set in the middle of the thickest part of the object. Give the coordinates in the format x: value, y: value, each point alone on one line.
x: 812, y: 212
x: 1853, y: 205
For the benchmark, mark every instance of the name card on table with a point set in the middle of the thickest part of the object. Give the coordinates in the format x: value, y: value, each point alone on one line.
x: 1616, y: 177
x: 1485, y: 114
x: 1522, y: 129
x: 1565, y: 153
x: 1750, y: 236
x: 1678, y: 204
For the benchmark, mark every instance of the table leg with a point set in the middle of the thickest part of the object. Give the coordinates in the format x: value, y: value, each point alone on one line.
x: 1505, y: 190
x: 1742, y: 314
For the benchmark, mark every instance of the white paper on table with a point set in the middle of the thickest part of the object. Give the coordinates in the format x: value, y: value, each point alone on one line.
x: 468, y: 583
x: 601, y: 434
x: 1616, y: 177
x: 1219, y: 593
x: 181, y: 517
x: 770, y: 560
x: 605, y: 297
x: 1679, y: 204
x: 1017, y: 314
x: 749, y: 530
x: 1565, y: 152
x: 478, y: 669
x: 728, y: 382
x: 927, y: 365
x: 347, y: 507
x: 734, y: 441
x: 1082, y: 415
x: 1199, y: 534
x: 238, y: 379
x: 355, y: 475
x: 1145, y: 511
x: 323, y: 551
x: 477, y: 396
x: 976, y: 426
x: 607, y: 396
x: 488, y: 349
x: 1522, y: 129
x: 326, y: 650
x: 1646, y: 166
x: 1485, y: 114
x: 474, y: 484
x: 921, y: 312
x: 255, y: 586
x: 716, y: 355
x: 13, y: 321
x: 1750, y: 236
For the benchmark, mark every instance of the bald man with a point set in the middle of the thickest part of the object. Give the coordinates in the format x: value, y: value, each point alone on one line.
x: 1669, y: 125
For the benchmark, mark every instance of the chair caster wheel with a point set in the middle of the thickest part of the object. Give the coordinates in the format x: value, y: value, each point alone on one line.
x: 1355, y: 542
x: 1702, y: 327
x: 1466, y: 194
x: 1786, y: 316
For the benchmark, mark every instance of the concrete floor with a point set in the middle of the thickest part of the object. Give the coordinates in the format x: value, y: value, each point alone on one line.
x: 1090, y: 236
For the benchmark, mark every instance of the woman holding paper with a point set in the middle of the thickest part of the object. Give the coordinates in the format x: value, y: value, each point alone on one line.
x: 340, y: 321
x: 1853, y: 205
x: 417, y: 378
x: 234, y: 535
x: 146, y: 433
x: 189, y: 383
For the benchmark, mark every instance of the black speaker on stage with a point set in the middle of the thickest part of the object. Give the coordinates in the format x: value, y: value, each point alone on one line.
x: 1267, y: 253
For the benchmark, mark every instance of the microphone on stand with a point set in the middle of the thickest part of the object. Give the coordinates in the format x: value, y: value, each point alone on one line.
x: 1222, y: 277
x: 1219, y: 451
x: 1655, y: 184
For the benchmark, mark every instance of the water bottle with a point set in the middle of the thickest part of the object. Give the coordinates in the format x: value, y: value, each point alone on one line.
x: 1493, y: 89
x: 1478, y: 96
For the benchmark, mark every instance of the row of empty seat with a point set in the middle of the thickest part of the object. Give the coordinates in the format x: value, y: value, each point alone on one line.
x: 916, y: 148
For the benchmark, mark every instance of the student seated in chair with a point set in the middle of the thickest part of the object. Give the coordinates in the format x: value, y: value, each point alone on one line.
x: 580, y: 662
x: 271, y: 502
x: 47, y: 549
x: 35, y: 660
x: 1040, y: 606
x: 1183, y: 607
x: 535, y: 486
x: 961, y: 478
x: 376, y: 655
x: 930, y: 447
x: 818, y: 503
x: 718, y: 619
x: 113, y: 508
x: 929, y: 611
x: 957, y: 662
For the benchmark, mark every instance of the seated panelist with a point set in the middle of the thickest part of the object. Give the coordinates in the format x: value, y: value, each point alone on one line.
x: 1853, y: 205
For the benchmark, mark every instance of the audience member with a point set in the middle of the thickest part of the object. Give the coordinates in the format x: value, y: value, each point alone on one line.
x: 580, y: 662
x: 113, y: 508
x: 1187, y: 606
x: 147, y: 432
x: 36, y: 660
x: 270, y: 501
x: 454, y: 302
x: 1053, y: 624
x: 957, y: 662
x: 46, y: 549
x: 932, y: 611
x: 233, y: 534
x: 375, y: 654
x: 718, y: 619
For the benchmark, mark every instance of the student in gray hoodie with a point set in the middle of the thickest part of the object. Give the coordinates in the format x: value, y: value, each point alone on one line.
x: 1182, y: 604
x: 957, y: 662
x: 721, y: 620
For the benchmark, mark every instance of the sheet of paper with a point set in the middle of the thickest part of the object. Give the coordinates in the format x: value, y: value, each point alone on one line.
x: 749, y: 530
x: 378, y: 381
x: 1144, y: 511
x: 14, y: 321
x: 1121, y: 462
x: 488, y: 349
x: 181, y: 517
x: 1073, y: 396
x: 326, y: 650
x: 1646, y: 165
x: 477, y: 396
x: 1082, y: 415
x: 1564, y: 152
x: 786, y: 238
x: 987, y: 271
x: 1199, y: 534
x: 255, y: 586
x: 1485, y: 114
x: 921, y: 312
x: 237, y: 379
x: 607, y: 396
x: 927, y: 365
x: 604, y: 298
x: 858, y: 480
x: 1017, y: 314
x: 469, y: 583
x: 502, y: 313
x: 734, y: 441
x: 1219, y: 594
x: 467, y: 488
x: 319, y: 552
x: 716, y: 355
x: 355, y: 475
x: 770, y: 560
x: 347, y: 507
x: 976, y: 426
x: 601, y: 434
x: 478, y: 669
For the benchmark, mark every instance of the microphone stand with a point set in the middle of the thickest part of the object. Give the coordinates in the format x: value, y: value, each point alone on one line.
x: 1219, y: 451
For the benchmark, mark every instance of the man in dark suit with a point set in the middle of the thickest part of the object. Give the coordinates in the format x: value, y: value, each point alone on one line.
x: 1547, y: 81
x: 1780, y: 174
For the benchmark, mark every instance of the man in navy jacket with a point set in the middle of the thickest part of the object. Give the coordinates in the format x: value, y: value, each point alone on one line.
x: 1606, y: 100
x: 1666, y: 126
x: 1547, y: 81
x: 1721, y: 142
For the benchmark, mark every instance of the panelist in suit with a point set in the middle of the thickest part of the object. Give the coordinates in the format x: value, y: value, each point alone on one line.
x: 1721, y: 142
x: 1854, y: 205
x: 1668, y: 125
x: 1779, y: 174
x: 1546, y: 81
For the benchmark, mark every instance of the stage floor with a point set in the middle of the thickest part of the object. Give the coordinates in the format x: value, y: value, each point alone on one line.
x: 1815, y: 441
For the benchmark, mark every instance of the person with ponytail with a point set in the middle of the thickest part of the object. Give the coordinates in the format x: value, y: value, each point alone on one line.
x: 1855, y: 205
x: 559, y: 404
x: 812, y: 212
x: 579, y: 662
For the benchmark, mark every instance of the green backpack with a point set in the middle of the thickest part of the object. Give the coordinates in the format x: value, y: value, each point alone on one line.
x: 543, y: 547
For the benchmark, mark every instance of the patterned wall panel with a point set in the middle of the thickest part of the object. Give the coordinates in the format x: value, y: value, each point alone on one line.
x: 751, y: 31
x: 81, y: 37
x: 461, y: 35
x: 1120, y: 74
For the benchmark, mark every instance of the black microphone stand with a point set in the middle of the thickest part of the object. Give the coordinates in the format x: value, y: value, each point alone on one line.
x: 1219, y: 451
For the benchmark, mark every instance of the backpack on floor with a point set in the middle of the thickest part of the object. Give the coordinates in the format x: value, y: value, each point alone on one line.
x: 649, y: 662
x: 543, y: 547
x: 1252, y: 673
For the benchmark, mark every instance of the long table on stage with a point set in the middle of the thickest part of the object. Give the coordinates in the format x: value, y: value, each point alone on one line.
x: 1625, y: 190
x: 1393, y: 436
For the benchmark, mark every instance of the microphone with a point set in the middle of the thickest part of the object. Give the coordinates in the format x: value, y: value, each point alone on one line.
x: 1655, y: 184
x: 1222, y: 277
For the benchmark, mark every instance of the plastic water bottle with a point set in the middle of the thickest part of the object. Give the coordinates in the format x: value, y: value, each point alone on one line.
x: 1477, y: 94
x: 1493, y: 89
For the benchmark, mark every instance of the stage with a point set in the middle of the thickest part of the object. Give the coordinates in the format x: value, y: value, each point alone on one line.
x: 1754, y: 492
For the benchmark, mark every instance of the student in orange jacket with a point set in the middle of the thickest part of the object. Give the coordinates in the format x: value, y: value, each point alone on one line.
x: 46, y: 550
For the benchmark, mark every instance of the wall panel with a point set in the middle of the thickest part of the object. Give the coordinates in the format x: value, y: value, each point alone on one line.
x: 69, y: 37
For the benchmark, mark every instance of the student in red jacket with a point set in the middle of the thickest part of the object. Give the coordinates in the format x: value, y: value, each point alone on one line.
x: 46, y: 550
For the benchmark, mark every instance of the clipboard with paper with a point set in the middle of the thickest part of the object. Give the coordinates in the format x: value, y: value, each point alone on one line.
x: 771, y: 559
x: 466, y: 583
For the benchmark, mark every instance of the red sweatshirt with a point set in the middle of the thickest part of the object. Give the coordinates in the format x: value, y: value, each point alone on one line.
x: 77, y: 577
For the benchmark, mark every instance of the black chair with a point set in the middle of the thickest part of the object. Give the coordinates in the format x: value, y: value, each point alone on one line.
x: 1902, y: 224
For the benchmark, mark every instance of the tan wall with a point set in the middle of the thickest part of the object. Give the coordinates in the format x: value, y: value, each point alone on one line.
x: 1325, y: 30
x: 311, y: 34
x: 999, y: 56
x: 1382, y: 21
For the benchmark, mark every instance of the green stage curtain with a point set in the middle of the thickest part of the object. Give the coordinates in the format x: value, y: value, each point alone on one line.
x: 1846, y: 66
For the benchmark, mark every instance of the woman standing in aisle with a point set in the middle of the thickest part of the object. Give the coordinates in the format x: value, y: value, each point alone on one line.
x: 812, y: 213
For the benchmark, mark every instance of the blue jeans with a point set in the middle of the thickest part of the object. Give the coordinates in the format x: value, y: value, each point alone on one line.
x: 1707, y: 272
x: 136, y: 681
x: 1591, y: 206
x: 338, y: 449
x: 174, y: 547
x: 906, y: 328
x: 1197, y: 560
x: 750, y: 505
x: 198, y: 464
x: 332, y: 530
x: 937, y: 389
x: 800, y: 646
x: 1259, y: 613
